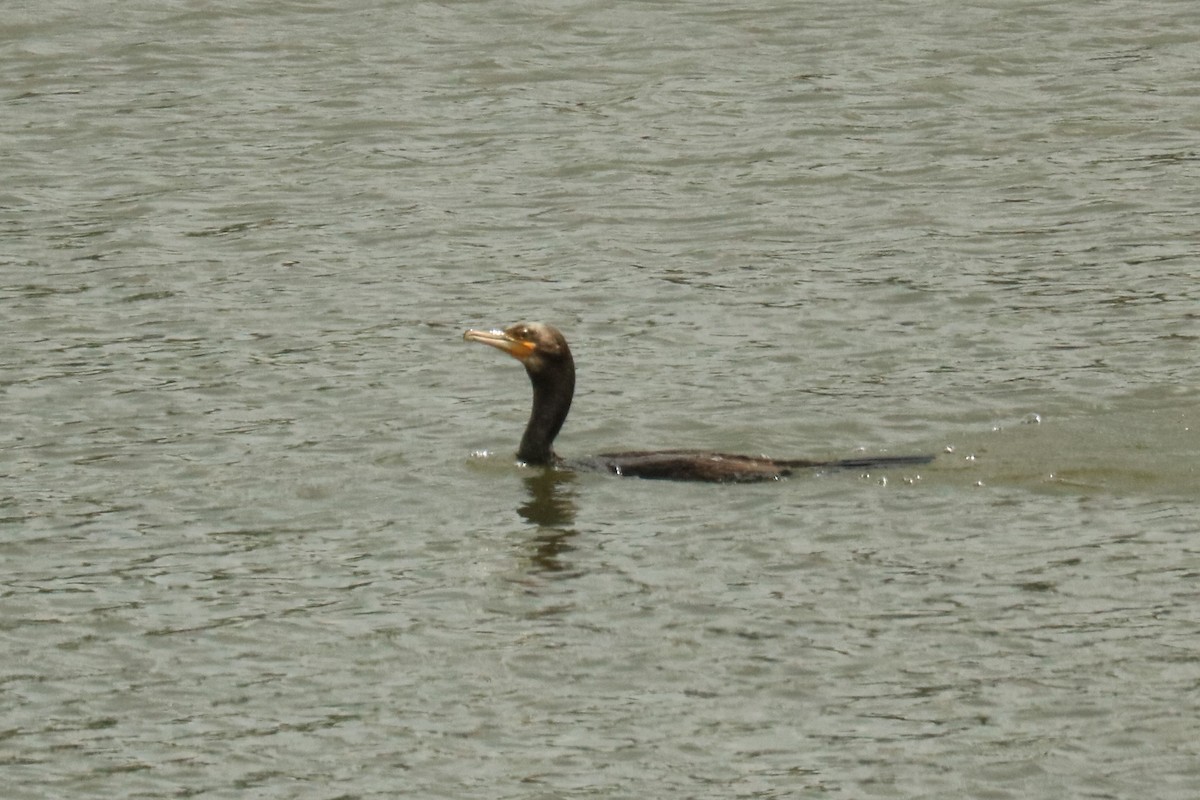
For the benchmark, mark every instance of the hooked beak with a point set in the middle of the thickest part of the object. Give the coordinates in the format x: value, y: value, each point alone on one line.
x: 520, y: 350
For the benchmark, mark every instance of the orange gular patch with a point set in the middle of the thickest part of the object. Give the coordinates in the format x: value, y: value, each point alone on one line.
x: 521, y: 350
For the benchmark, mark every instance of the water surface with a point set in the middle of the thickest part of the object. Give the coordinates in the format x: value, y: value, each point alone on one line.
x: 260, y: 529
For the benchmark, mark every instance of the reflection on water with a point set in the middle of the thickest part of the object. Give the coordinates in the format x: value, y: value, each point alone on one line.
x: 551, y: 506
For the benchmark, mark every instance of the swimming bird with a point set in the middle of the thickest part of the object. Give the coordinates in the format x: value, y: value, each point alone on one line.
x: 544, y: 352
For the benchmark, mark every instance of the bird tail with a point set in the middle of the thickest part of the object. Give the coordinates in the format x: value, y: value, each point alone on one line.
x: 869, y: 462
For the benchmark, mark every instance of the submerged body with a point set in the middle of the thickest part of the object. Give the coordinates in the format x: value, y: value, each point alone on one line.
x: 547, y: 359
x: 705, y: 465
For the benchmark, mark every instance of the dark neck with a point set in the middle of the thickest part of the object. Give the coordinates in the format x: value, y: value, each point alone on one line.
x: 553, y: 388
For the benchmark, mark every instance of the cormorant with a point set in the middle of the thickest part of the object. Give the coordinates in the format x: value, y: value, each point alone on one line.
x: 547, y: 359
